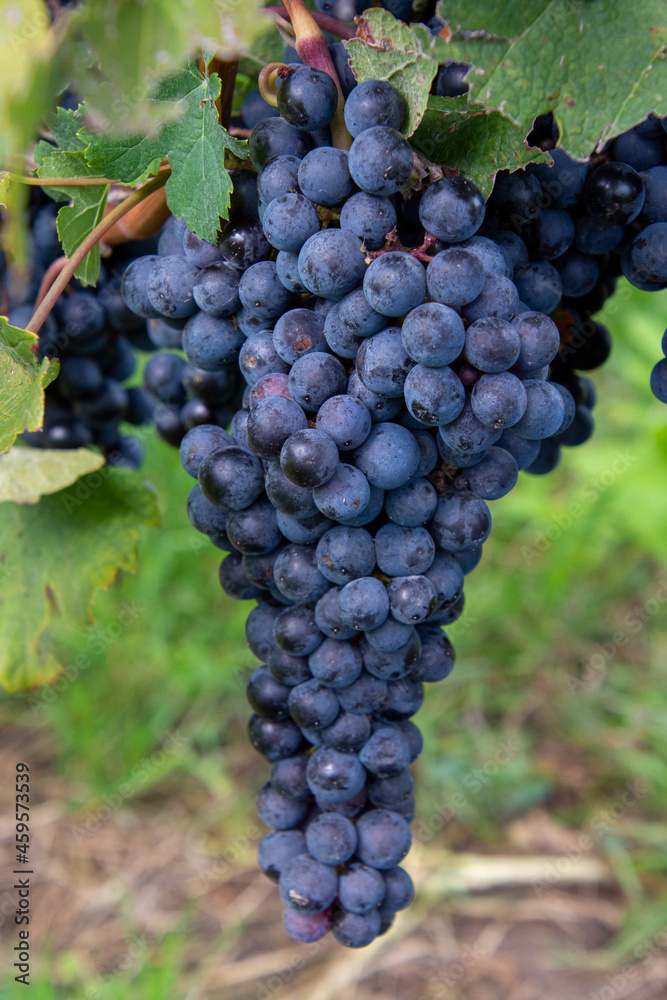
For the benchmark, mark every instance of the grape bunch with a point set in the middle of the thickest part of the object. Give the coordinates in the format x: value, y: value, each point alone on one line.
x: 95, y: 336
x: 383, y: 380
x: 360, y: 364
x: 573, y: 229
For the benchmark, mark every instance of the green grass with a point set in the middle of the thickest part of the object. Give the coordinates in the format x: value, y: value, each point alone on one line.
x: 559, y: 696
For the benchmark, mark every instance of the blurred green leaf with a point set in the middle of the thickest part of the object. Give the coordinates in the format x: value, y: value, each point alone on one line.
x: 54, y: 557
x: 31, y: 77
x: 23, y: 380
x: 130, y: 46
x: 26, y: 474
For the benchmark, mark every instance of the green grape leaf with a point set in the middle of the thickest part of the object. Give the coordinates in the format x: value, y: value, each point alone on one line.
x: 26, y: 474
x: 387, y: 49
x: 25, y: 52
x: 54, y: 557
x: 23, y: 380
x: 473, y: 140
x: 65, y: 126
x: 600, y: 67
x: 31, y: 77
x: 200, y: 187
x: 77, y: 220
x: 503, y: 21
x: 193, y: 141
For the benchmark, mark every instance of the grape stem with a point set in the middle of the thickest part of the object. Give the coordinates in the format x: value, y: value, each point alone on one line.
x: 67, y: 272
x: 60, y: 181
x: 52, y: 273
x: 226, y: 70
x: 312, y: 48
x: 324, y: 21
x: 266, y: 81
x: 392, y: 242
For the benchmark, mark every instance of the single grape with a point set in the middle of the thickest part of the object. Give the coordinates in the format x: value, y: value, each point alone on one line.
x: 373, y: 102
x: 297, y: 576
x: 324, y: 176
x: 389, y: 456
x: 309, y: 457
x: 544, y: 413
x: 215, y: 289
x: 461, y: 521
x: 307, y: 927
x: 369, y: 217
x: 412, y: 599
x: 334, y: 776
x: 345, y: 419
x: 274, y: 739
x: 455, y: 277
x: 274, y: 137
x: 411, y: 504
x: 331, y: 839
x: 271, y: 422
x: 303, y: 530
x: 331, y: 263
x: 345, y: 553
x: 295, y: 630
x: 499, y: 400
x: 289, y: 220
x: 170, y: 287
x: 278, y: 177
x: 258, y: 357
x: 307, y: 98
x: 380, y: 160
x: 402, y: 551
x: 336, y: 663
x: 231, y: 477
x: 452, y: 209
x: 254, y: 530
x: 363, y: 603
x: 306, y: 885
x: 211, y: 342
x: 434, y: 395
x: 436, y: 660
x: 347, y: 733
x: 312, y: 704
x: 314, y: 378
x: 614, y: 193
x: 394, y: 283
x: 197, y: 250
x: 492, y: 344
x: 288, y: 778
x: 492, y: 477
x: 498, y: 298
x: 384, y: 839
